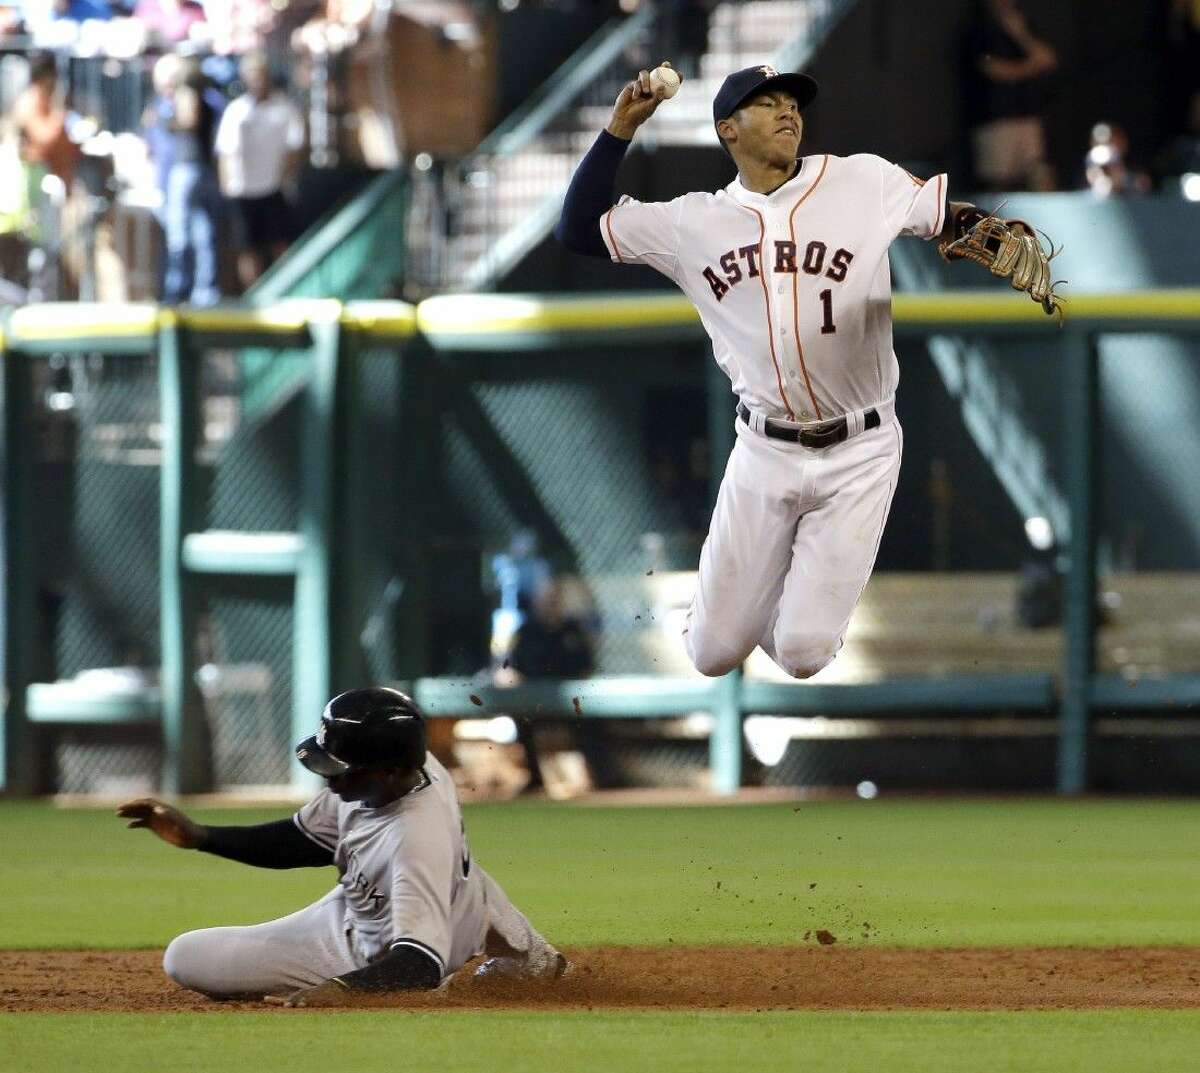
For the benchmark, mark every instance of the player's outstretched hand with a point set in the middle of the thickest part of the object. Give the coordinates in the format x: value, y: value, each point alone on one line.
x: 636, y: 103
x: 167, y: 822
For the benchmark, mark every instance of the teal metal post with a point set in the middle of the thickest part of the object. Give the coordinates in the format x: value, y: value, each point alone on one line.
x: 19, y: 766
x: 322, y: 456
x: 1080, y: 416
x: 187, y: 752
x: 725, y: 742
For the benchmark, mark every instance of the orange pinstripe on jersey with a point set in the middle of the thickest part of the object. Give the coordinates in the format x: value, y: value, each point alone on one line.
x: 612, y: 240
x: 762, y: 278
x: 796, y: 288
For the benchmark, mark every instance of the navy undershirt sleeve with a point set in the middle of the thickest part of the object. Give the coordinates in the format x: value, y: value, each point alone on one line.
x: 267, y: 845
x: 590, y: 196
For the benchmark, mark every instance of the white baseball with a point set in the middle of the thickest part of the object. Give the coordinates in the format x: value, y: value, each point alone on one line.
x: 666, y: 79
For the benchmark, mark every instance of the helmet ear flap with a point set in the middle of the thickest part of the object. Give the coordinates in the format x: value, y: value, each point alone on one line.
x: 402, y: 744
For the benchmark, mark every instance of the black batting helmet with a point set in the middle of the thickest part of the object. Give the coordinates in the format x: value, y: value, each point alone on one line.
x: 366, y: 728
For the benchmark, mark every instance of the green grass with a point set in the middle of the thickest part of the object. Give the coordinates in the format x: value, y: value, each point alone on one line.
x: 934, y: 873
x: 925, y: 873
x: 604, y: 1042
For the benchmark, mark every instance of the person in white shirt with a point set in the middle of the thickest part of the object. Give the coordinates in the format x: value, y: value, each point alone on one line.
x: 411, y: 906
x: 258, y: 151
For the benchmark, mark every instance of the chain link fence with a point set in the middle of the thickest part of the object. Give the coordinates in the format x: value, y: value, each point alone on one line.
x: 582, y: 470
x: 97, y: 524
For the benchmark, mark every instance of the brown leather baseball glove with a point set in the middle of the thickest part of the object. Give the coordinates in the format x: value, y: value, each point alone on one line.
x: 1009, y: 248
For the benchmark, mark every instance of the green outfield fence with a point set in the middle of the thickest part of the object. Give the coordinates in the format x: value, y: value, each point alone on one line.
x: 391, y: 356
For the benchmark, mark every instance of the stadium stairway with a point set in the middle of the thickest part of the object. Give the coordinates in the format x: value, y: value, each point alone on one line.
x: 507, y: 194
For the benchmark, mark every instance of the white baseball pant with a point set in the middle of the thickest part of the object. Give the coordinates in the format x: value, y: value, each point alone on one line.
x: 315, y: 944
x: 792, y: 542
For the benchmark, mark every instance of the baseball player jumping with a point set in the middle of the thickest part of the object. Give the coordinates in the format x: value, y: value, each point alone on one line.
x: 788, y: 269
x: 411, y: 906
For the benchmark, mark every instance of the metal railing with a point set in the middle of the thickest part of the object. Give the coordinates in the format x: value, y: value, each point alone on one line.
x: 110, y: 91
x: 356, y: 252
x: 192, y: 556
x: 492, y: 208
x: 976, y: 378
x: 476, y: 325
x: 492, y: 201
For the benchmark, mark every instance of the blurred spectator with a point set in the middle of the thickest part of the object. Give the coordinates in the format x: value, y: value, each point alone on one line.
x: 156, y: 120
x: 1010, y: 64
x: 549, y: 644
x: 41, y: 123
x: 82, y: 10
x: 258, y: 152
x: 519, y: 572
x: 1107, y: 168
x: 192, y: 204
x: 170, y: 21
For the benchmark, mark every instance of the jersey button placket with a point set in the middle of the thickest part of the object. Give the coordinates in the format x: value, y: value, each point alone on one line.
x: 785, y: 312
x: 780, y: 280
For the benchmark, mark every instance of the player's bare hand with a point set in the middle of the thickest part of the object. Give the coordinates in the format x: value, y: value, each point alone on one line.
x: 167, y: 822
x: 329, y: 993
x: 637, y: 102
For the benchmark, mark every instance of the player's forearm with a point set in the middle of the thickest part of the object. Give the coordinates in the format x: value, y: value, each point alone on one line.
x: 955, y: 210
x: 590, y: 196
x: 622, y: 129
x: 266, y: 845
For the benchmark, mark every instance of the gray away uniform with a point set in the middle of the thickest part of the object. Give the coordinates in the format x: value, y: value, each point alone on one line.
x: 405, y: 877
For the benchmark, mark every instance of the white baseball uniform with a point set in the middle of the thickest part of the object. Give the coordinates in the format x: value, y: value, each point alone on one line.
x: 405, y: 877
x: 794, y: 290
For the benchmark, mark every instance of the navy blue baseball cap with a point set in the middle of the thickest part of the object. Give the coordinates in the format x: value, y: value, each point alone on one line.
x: 762, y: 79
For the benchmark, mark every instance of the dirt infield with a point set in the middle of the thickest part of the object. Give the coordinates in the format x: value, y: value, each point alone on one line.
x: 829, y: 977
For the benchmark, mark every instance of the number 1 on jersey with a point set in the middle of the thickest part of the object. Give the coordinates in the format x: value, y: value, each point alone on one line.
x: 828, y: 327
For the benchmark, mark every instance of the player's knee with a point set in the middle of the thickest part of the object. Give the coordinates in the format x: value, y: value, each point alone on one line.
x: 184, y: 962
x: 713, y: 661
x: 801, y: 654
x: 712, y: 665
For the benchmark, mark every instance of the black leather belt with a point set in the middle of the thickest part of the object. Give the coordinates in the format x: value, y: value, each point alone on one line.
x: 823, y: 435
